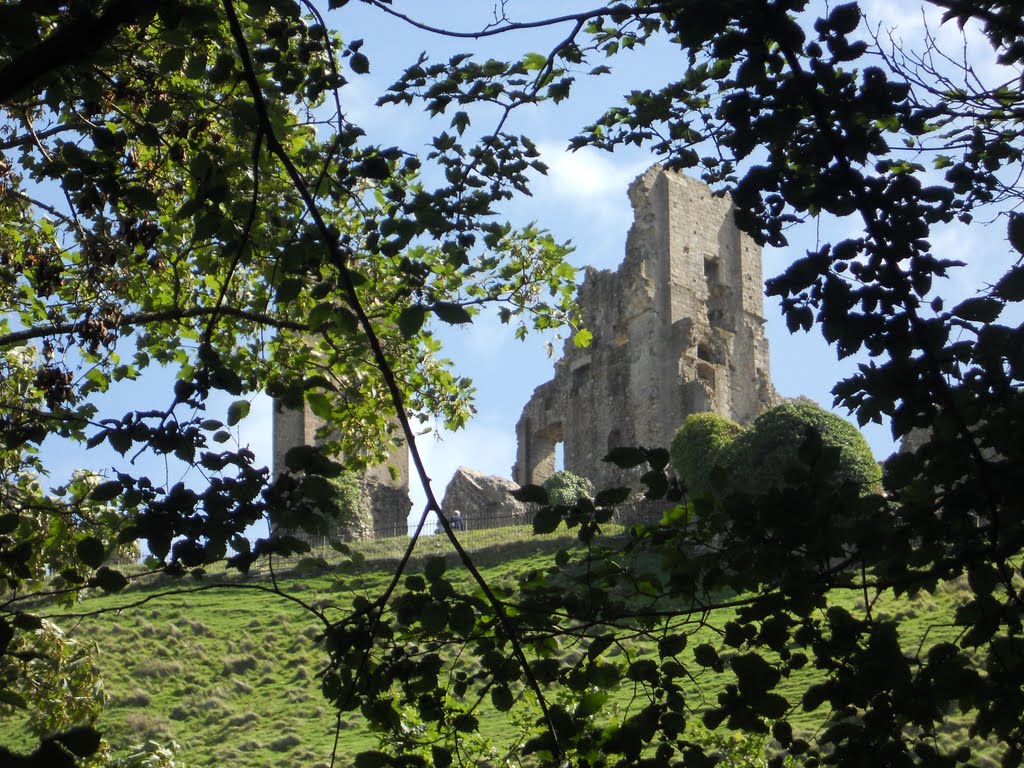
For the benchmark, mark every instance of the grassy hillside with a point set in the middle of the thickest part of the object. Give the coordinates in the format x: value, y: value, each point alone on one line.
x: 229, y: 671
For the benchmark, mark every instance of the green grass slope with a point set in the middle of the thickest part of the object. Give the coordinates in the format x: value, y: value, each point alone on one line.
x: 228, y: 671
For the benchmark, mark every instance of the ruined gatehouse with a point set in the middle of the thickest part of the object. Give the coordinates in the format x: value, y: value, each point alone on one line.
x: 677, y: 329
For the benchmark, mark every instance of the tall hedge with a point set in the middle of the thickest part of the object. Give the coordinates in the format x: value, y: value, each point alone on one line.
x: 698, y: 445
x: 767, y: 455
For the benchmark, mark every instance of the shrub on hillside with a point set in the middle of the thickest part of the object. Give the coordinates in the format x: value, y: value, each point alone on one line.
x: 767, y: 456
x: 565, y: 488
x: 697, y: 446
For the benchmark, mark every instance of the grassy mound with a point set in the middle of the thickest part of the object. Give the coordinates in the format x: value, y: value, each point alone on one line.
x: 229, y: 671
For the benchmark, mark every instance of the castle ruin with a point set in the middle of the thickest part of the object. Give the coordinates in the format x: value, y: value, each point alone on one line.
x: 677, y: 329
x: 384, y: 494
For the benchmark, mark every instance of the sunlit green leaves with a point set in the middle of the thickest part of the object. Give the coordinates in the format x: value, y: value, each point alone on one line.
x: 237, y: 411
x: 453, y: 314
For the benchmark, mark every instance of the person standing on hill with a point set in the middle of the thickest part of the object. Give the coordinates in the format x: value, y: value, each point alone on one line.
x: 458, y: 523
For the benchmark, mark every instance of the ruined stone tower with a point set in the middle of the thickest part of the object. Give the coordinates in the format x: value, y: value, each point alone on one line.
x: 677, y: 329
x: 386, y: 497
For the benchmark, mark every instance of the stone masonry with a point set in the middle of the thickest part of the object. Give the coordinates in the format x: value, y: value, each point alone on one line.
x: 484, y: 500
x: 385, y: 496
x: 677, y: 329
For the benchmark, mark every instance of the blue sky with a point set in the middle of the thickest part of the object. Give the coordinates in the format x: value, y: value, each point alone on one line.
x: 583, y: 199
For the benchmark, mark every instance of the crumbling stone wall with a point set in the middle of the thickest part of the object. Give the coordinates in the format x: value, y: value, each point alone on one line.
x: 677, y: 329
x: 485, y: 501
x: 387, y: 497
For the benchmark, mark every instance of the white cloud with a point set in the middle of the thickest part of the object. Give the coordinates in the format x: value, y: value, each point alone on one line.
x: 586, y: 176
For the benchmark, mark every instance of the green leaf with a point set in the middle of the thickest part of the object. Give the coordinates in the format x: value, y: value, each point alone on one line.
x: 27, y: 622
x: 643, y: 670
x: 705, y: 655
x: 141, y: 197
x: 465, y: 723
x: 320, y: 404
x: 501, y: 698
x: 289, y: 290
x: 434, y: 567
x: 237, y: 411
x: 530, y: 494
x: 318, y: 489
x: 359, y: 63
x: 120, y: 441
x: 462, y: 619
x: 12, y: 698
x: 981, y: 309
x: 411, y: 320
x: 582, y: 338
x: 172, y: 60
x: 106, y: 491
x: 442, y: 757
x: 319, y: 315
x: 609, y: 497
x: 453, y: 314
x: 753, y: 674
x: 815, y: 696
x: 81, y: 742
x: 657, y: 458
x: 670, y: 645
x: 91, y: 551
x: 373, y: 167
x: 1011, y: 285
x: 372, y: 759
x: 546, y: 520
x: 415, y: 583
x: 844, y: 18
x: 109, y: 580
x: 460, y: 122
x: 534, y: 61
x: 1015, y: 231
x: 626, y: 458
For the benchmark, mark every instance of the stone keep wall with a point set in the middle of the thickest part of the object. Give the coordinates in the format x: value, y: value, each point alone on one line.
x: 386, y: 497
x: 677, y: 329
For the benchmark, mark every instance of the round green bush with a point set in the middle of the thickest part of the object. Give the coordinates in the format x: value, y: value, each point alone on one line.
x: 767, y: 455
x: 565, y: 488
x: 697, y: 445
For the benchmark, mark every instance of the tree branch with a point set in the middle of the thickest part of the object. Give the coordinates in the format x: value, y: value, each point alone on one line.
x: 341, y: 260
x: 580, y: 18
x: 143, y: 318
x: 69, y: 44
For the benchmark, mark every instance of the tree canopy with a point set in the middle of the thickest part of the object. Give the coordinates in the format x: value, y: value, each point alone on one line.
x: 697, y: 446
x: 180, y: 187
x: 768, y: 454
